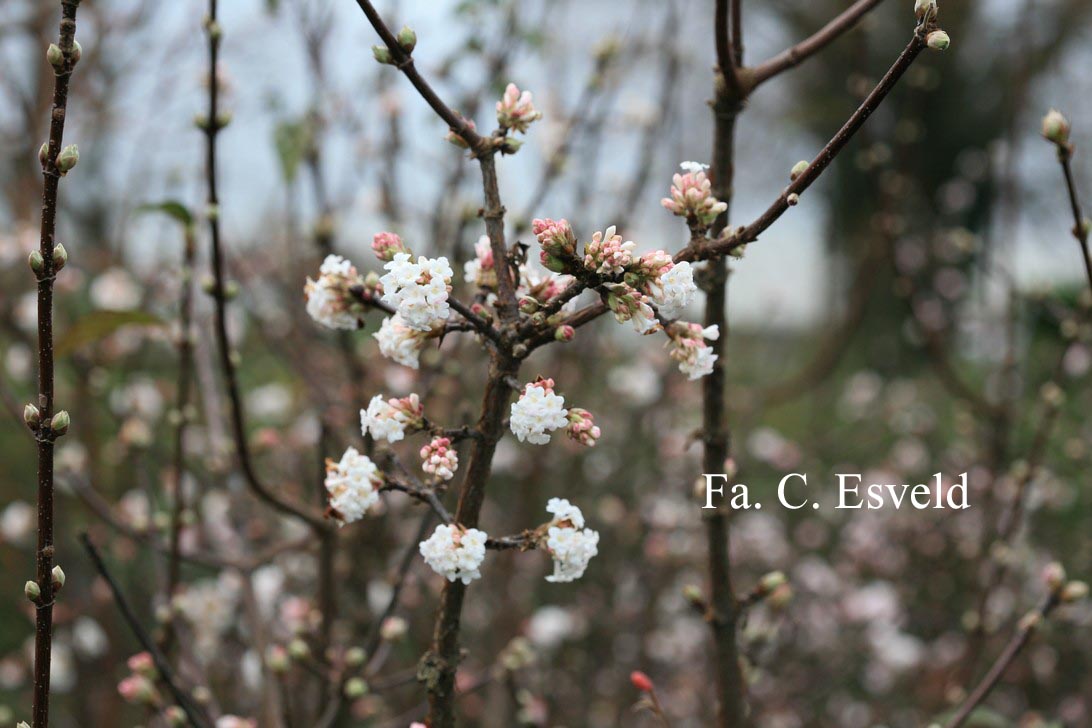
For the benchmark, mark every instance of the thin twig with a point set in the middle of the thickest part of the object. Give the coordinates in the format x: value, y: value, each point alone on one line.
x: 193, y: 710
x: 43, y: 430
x: 1080, y: 223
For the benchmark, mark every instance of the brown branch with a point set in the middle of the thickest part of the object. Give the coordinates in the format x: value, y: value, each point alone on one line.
x: 805, y: 49
x: 1080, y: 222
x: 729, y: 241
x: 212, y: 126
x: 193, y: 710
x: 45, y: 434
x: 1019, y: 639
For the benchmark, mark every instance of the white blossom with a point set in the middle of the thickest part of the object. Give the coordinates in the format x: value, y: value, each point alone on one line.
x: 455, y: 552
x: 388, y: 419
x: 570, y: 544
x: 353, y: 485
x: 399, y: 342
x: 418, y: 290
x: 537, y: 412
x: 674, y: 290
x: 328, y: 299
x: 693, y: 167
x: 688, y: 348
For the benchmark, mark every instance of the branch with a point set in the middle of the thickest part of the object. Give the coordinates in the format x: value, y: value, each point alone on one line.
x: 1023, y: 634
x: 730, y: 241
x: 192, y: 709
x: 212, y: 125
x: 45, y: 262
x: 805, y: 49
x: 1080, y: 222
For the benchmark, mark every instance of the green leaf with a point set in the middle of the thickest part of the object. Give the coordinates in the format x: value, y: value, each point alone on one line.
x: 100, y: 324
x: 172, y: 209
x: 292, y: 140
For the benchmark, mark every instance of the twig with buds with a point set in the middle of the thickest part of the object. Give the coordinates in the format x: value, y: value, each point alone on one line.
x: 1061, y: 592
x: 47, y: 426
x: 1056, y: 130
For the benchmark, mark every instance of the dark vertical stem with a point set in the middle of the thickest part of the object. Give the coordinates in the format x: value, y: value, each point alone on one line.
x: 1080, y: 232
x: 182, y: 405
x: 43, y: 620
x: 438, y: 667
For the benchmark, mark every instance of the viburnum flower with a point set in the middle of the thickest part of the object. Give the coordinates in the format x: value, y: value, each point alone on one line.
x: 629, y: 304
x: 387, y: 245
x: 537, y: 412
x: 516, y: 110
x: 692, y: 195
x: 388, y: 419
x: 329, y: 299
x: 674, y: 289
x: 234, y: 721
x: 607, y: 254
x: 539, y: 284
x: 582, y: 427
x: 418, y: 290
x: 455, y: 552
x: 480, y: 270
x: 558, y: 243
x: 570, y: 544
x: 401, y: 342
x: 439, y: 458
x: 352, y: 485
x: 689, y: 349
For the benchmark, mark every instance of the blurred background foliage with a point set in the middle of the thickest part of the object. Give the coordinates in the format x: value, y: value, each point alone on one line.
x: 901, y: 321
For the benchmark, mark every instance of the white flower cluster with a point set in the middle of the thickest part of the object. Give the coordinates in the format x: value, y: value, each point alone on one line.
x: 537, y: 412
x: 674, y: 289
x: 400, y: 342
x: 353, y: 486
x: 418, y: 290
x: 689, y: 349
x: 455, y: 552
x: 570, y: 544
x: 388, y: 419
x: 328, y: 299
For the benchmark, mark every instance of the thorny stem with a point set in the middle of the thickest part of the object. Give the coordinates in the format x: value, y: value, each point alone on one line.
x: 193, y: 710
x: 1080, y: 229
x: 1019, y: 639
x: 43, y: 617
x: 212, y: 127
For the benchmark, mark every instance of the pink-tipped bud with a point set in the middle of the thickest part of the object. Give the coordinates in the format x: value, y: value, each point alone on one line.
x: 386, y: 245
x: 641, y: 681
x: 564, y: 333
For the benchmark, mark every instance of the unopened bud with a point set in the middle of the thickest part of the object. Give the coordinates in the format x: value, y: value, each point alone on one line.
x: 511, y: 145
x: 77, y: 52
x: 355, y: 656
x: 356, y: 688
x: 798, y: 169
x: 231, y: 290
x: 60, y: 257
x: 58, y: 578
x: 32, y: 416
x: 381, y: 53
x: 793, y: 199
x: 175, y: 716
x: 67, y: 159
x: 43, y: 153
x: 32, y: 591
x: 1052, y: 394
x: 208, y: 285
x: 1056, y: 127
x: 1054, y: 576
x: 528, y: 304
x: 201, y: 122
x: 1074, y: 591
x: 36, y: 261
x: 55, y: 56
x: 407, y: 39
x: 692, y: 593
x: 771, y: 581
x: 1030, y: 621
x: 938, y: 40
x: 223, y: 119
x: 780, y: 597
x: 925, y: 9
x: 641, y: 681
x: 277, y: 659
x: 298, y: 649
x: 564, y: 333
x: 59, y: 423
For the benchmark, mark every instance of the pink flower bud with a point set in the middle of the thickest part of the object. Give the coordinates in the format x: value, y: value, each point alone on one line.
x: 386, y: 245
x: 641, y: 681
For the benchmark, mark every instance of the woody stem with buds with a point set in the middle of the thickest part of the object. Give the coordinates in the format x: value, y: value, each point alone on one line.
x: 45, y: 264
x: 1080, y: 222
